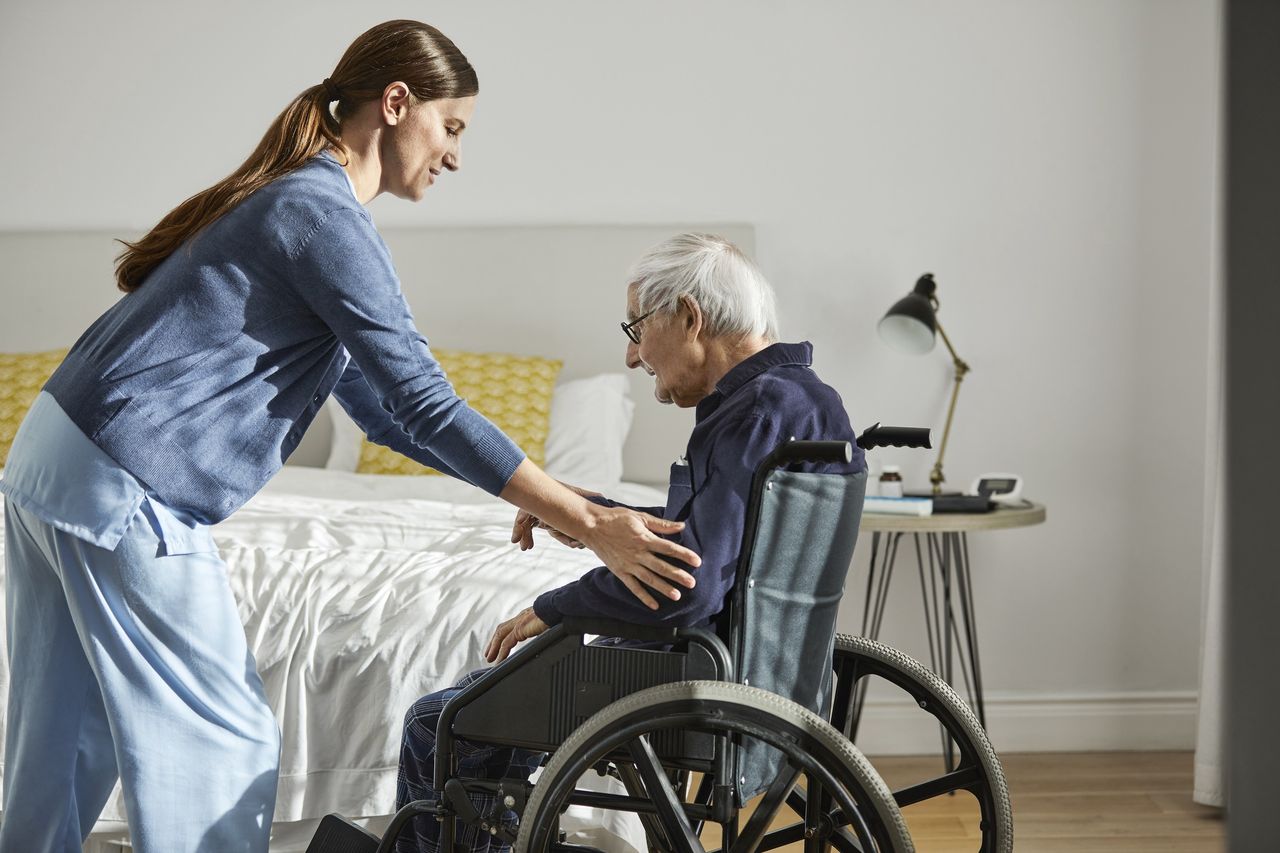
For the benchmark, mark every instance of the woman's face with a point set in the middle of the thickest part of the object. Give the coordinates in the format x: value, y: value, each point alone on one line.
x: 424, y: 141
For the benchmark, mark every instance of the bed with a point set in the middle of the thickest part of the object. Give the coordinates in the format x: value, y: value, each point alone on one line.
x: 361, y: 592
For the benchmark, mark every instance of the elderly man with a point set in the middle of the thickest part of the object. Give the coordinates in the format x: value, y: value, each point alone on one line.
x: 701, y: 322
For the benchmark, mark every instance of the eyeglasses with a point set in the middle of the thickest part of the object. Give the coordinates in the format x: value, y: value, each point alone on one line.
x: 630, y: 328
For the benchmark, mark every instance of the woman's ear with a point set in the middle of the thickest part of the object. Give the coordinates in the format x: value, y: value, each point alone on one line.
x: 395, y: 102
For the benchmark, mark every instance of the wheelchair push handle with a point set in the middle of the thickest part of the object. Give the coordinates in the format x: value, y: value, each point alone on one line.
x: 809, y: 451
x: 885, y: 436
x: 791, y: 452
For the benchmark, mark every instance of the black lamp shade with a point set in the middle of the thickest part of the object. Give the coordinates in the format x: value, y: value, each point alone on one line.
x: 910, y: 325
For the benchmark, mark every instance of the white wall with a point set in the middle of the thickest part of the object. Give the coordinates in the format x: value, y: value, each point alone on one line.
x: 1053, y: 164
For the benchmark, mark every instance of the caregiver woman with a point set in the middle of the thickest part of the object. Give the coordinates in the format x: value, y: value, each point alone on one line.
x: 247, y: 305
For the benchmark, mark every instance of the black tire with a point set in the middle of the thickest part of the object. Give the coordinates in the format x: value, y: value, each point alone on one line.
x: 977, y: 769
x: 810, y: 744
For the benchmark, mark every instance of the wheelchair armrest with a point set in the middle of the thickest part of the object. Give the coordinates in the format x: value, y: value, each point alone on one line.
x: 619, y: 628
x: 655, y: 634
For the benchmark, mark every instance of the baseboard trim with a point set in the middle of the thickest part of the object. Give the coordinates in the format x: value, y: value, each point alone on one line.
x: 1044, y: 723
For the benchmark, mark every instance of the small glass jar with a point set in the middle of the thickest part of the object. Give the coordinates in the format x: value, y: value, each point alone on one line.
x: 891, y: 481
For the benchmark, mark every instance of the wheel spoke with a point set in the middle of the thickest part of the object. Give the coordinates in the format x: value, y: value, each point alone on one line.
x: 814, y: 799
x: 800, y: 800
x: 702, y: 798
x: 751, y: 835
x: 675, y: 822
x: 859, y: 825
x: 962, y: 779
x: 846, y: 843
x: 782, y: 837
x: 842, y: 704
x: 819, y: 811
x: 631, y: 781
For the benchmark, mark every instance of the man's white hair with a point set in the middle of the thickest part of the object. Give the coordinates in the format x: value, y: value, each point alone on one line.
x: 733, y: 294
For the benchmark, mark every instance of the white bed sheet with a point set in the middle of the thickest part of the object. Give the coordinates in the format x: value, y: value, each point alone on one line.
x: 360, y: 593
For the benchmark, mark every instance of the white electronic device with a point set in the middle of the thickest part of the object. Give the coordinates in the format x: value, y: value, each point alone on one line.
x: 1001, y: 488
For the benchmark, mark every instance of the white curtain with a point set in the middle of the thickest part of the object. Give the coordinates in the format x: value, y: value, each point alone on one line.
x: 1209, y: 776
x: 1210, y: 779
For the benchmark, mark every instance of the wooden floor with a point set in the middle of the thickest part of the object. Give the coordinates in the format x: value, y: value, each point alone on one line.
x: 1098, y: 802
x: 1101, y: 802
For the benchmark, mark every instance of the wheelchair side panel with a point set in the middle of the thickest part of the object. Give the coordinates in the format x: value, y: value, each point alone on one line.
x: 542, y: 698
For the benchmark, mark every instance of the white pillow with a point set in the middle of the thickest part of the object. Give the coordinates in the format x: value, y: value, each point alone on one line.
x: 345, y: 438
x: 590, y: 419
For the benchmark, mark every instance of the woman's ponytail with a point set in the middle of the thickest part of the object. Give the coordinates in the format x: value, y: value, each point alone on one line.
x: 302, y: 131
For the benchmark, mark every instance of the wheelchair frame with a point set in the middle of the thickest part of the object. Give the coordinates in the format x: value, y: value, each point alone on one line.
x: 476, y: 712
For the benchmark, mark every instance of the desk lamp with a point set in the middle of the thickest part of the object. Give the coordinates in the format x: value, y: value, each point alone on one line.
x: 909, y: 326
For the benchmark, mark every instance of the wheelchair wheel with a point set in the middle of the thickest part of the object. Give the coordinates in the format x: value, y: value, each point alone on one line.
x: 863, y: 816
x: 976, y: 771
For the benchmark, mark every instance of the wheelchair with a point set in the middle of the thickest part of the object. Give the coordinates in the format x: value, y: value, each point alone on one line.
x: 745, y: 732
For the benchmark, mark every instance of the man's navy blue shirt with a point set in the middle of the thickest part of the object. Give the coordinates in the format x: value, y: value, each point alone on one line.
x: 764, y: 400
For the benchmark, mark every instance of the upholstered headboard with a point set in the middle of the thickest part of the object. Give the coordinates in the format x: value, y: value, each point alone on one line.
x: 555, y: 290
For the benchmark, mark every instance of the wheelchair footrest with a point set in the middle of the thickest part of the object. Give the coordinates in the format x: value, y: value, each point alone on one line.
x: 336, y: 834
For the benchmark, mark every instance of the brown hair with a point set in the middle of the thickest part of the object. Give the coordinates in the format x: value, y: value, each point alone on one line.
x: 414, y: 53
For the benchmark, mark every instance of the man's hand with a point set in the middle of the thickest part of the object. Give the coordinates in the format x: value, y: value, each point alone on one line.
x: 522, y: 532
x: 525, y: 625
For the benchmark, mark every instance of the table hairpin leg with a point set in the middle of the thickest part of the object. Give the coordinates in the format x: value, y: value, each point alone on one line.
x: 970, y: 624
x: 879, y: 575
x: 946, y: 585
x: 948, y: 562
x: 934, y: 619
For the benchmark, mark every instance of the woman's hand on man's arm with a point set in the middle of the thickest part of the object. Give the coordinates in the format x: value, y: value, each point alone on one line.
x: 629, y: 543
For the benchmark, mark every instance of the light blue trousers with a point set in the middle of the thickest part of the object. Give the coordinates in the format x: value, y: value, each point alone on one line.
x: 130, y: 664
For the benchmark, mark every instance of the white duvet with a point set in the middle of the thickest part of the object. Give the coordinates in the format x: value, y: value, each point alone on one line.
x: 360, y: 593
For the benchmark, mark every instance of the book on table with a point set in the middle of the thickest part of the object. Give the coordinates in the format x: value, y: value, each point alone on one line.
x: 918, y: 507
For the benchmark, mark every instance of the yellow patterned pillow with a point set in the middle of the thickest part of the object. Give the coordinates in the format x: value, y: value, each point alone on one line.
x: 513, y: 391
x: 22, y: 375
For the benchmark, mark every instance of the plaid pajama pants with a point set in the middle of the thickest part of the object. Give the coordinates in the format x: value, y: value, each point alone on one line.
x: 475, y: 761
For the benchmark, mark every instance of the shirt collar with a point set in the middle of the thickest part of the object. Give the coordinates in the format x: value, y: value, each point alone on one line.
x: 774, y: 355
x: 351, y: 185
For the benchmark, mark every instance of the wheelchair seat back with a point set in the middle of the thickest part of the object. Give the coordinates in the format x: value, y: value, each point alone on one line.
x: 782, y: 620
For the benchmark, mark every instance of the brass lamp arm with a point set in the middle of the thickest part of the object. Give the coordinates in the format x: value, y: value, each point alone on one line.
x: 961, y: 367
x: 935, y: 476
